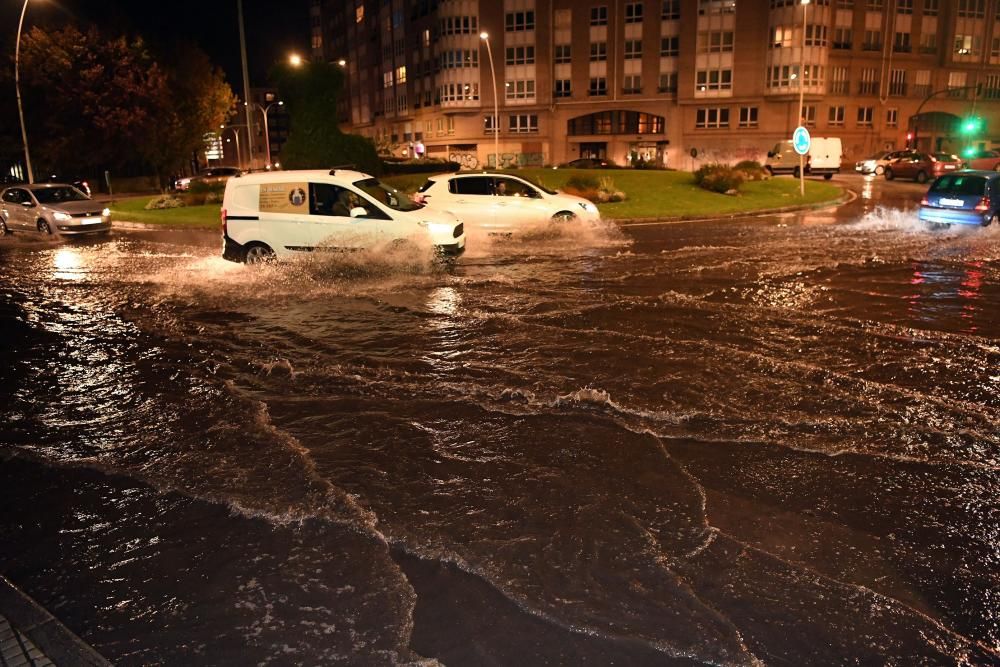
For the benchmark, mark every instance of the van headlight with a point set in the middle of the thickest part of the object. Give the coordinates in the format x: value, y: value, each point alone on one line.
x: 588, y: 207
x: 62, y: 217
x: 106, y: 212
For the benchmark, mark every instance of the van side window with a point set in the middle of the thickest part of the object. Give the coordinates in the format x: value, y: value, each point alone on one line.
x: 329, y: 199
x: 473, y: 185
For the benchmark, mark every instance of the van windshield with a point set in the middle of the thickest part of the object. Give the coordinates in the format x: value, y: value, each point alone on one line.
x: 387, y: 195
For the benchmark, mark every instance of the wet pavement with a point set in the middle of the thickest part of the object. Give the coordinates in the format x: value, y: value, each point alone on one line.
x: 768, y: 441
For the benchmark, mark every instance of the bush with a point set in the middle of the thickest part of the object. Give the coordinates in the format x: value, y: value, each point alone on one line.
x: 582, y: 182
x: 719, y: 178
x: 752, y: 170
x: 164, y: 201
x: 394, y: 167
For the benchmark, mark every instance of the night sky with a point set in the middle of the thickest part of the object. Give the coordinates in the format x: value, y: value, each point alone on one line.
x: 274, y: 28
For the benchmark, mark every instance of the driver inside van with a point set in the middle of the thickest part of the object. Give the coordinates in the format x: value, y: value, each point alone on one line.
x: 346, y: 200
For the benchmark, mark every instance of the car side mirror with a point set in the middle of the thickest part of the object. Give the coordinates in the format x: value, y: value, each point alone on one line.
x: 358, y: 212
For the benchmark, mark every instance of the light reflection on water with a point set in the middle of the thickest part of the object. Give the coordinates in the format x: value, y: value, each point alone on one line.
x: 68, y: 263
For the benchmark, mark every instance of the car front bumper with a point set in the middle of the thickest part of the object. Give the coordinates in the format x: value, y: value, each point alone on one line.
x: 452, y: 249
x: 949, y: 216
x: 80, y: 229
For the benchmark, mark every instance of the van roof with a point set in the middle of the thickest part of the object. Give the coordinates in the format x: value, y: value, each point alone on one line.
x: 321, y: 175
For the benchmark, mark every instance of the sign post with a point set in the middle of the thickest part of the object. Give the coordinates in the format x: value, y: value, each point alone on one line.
x: 801, y: 141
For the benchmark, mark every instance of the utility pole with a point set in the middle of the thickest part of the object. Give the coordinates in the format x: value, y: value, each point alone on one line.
x: 246, y: 82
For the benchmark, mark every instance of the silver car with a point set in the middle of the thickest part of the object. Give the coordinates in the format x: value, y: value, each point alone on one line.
x: 51, y: 208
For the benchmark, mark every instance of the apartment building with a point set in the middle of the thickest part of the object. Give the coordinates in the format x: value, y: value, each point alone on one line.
x: 660, y: 80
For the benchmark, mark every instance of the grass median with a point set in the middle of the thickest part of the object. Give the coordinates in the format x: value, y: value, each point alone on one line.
x: 668, y: 194
x: 133, y: 209
x: 651, y: 194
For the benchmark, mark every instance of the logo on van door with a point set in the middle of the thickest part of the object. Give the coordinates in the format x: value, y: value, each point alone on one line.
x: 283, y: 197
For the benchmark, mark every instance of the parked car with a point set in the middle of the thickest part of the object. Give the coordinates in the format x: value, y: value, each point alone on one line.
x: 922, y: 166
x: 51, y: 208
x: 589, y: 163
x: 983, y: 159
x: 824, y: 158
x: 502, y: 202
x: 963, y: 198
x: 281, y: 214
x: 213, y: 176
x: 876, y: 163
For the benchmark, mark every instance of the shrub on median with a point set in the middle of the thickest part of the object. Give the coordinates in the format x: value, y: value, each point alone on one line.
x: 752, y: 170
x: 598, y: 191
x: 164, y: 201
x: 719, y: 178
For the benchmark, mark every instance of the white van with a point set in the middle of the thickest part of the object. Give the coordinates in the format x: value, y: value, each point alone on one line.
x: 823, y: 158
x: 282, y: 213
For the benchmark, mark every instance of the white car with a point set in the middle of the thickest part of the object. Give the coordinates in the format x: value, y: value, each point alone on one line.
x: 877, y: 162
x: 502, y: 203
x: 281, y: 214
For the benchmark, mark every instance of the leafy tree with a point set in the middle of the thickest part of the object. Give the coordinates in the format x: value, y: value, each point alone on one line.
x: 97, y: 102
x: 311, y: 94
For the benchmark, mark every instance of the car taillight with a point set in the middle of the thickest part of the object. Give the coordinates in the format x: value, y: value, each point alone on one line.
x: 222, y: 215
x: 925, y: 202
x: 983, y: 205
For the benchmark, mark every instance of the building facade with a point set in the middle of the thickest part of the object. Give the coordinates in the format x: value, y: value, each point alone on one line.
x: 661, y: 81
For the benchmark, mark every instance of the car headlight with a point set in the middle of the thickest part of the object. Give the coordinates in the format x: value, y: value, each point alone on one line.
x: 588, y: 207
x: 62, y: 217
x: 105, y: 212
x: 870, y: 164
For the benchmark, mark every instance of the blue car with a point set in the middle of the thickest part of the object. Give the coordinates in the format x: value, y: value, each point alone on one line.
x: 963, y: 198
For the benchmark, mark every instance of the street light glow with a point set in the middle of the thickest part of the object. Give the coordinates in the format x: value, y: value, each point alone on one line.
x: 484, y: 35
x: 295, y: 60
x: 342, y: 62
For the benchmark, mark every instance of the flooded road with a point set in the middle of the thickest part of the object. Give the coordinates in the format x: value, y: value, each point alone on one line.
x: 759, y: 441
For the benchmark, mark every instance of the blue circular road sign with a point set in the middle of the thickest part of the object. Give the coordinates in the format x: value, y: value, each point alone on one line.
x: 801, y: 141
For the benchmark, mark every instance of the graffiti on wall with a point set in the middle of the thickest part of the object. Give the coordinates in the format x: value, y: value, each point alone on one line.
x: 730, y: 155
x: 508, y: 160
x: 465, y: 159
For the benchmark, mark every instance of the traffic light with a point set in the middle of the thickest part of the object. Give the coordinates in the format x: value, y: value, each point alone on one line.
x: 972, y: 125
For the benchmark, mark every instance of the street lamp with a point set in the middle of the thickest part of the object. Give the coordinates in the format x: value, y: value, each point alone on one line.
x: 496, y: 101
x: 295, y: 60
x: 246, y: 81
x: 267, y: 133
x: 802, y: 91
x: 236, y: 133
x: 17, y: 86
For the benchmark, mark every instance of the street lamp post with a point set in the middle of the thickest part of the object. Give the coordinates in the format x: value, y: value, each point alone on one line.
x: 246, y: 79
x: 236, y: 133
x: 267, y: 133
x: 802, y: 92
x: 496, y: 102
x: 17, y: 86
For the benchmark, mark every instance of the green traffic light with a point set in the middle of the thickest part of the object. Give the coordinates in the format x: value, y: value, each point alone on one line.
x: 972, y: 125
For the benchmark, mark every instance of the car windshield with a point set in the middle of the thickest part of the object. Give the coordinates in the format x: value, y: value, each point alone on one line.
x: 58, y: 195
x: 386, y: 195
x: 960, y: 185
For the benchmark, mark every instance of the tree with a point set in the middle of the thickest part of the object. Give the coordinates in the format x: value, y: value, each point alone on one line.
x: 311, y: 94
x: 96, y: 102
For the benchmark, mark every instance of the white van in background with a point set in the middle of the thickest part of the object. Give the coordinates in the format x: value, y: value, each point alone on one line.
x: 282, y: 213
x: 823, y: 159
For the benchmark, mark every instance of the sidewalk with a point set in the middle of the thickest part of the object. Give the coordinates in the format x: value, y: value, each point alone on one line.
x: 29, y: 635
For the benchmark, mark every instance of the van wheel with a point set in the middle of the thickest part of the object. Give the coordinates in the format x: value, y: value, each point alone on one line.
x: 889, y: 174
x: 44, y: 228
x: 827, y: 176
x: 258, y: 253
x: 921, y: 177
x: 564, y: 216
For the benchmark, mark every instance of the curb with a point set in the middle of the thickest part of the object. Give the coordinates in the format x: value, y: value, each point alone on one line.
x: 51, y: 637
x: 154, y: 227
x: 846, y: 197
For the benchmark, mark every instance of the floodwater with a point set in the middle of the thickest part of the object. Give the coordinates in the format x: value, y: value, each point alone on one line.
x: 770, y: 441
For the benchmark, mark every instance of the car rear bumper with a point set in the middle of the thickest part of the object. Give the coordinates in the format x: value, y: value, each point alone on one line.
x: 947, y: 216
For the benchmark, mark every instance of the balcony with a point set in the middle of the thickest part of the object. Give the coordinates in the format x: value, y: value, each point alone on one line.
x: 868, y: 88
